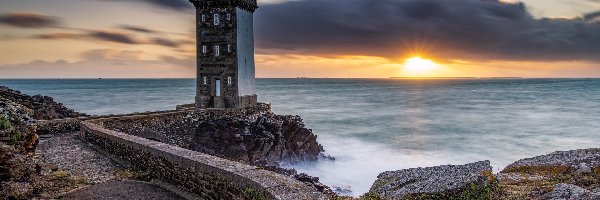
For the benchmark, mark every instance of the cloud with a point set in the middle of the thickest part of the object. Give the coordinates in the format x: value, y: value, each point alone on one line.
x: 96, y: 63
x: 458, y: 29
x: 178, y: 5
x: 29, y: 20
x: 592, y: 16
x: 164, y: 42
x: 111, y: 36
x: 136, y: 29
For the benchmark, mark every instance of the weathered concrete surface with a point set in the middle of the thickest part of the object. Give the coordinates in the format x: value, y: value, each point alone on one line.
x: 441, y: 182
x: 130, y: 190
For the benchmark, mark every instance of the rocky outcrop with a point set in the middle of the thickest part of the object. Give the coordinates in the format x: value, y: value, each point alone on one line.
x: 554, y: 175
x: 17, y: 145
x: 43, y: 107
x: 563, y: 191
x: 22, y: 174
x: 266, y: 139
x: 440, y: 182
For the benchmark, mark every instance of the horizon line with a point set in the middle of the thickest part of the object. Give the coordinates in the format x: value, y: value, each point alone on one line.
x: 407, y: 77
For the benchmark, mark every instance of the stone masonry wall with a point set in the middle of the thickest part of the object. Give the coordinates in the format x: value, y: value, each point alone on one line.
x: 208, y: 176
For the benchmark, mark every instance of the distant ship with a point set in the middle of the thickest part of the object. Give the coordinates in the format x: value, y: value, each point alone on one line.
x: 302, y: 77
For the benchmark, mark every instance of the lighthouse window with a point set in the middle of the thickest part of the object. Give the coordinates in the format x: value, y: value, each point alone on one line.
x: 229, y: 80
x: 203, y: 18
x: 216, y: 19
x: 204, y: 80
x: 228, y: 16
x: 204, y: 49
x: 217, y: 51
x: 229, y: 48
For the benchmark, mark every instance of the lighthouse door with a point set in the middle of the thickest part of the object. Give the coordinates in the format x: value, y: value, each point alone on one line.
x: 218, y: 88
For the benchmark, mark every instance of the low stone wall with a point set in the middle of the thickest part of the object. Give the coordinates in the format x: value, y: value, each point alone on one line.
x: 47, y: 127
x: 175, y: 128
x: 208, y: 176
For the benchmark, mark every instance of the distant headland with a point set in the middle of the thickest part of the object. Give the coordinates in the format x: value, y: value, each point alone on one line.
x: 465, y: 77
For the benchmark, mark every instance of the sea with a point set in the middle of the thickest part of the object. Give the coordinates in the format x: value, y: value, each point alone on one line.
x: 376, y: 125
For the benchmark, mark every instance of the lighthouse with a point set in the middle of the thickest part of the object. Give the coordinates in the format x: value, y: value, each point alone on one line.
x: 225, y: 53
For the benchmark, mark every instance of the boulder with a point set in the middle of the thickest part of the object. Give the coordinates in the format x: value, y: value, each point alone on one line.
x: 574, y: 171
x: 570, y: 160
x: 442, y: 182
x: 563, y: 191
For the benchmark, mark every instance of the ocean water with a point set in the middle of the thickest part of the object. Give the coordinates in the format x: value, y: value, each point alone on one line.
x: 375, y: 125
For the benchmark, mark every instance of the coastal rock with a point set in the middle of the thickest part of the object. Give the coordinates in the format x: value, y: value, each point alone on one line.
x: 43, y: 107
x: 569, y: 159
x: 563, y: 191
x: 448, y: 181
x: 536, y: 177
x: 266, y: 139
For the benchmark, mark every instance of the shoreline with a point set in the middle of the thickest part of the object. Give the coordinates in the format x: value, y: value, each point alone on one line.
x: 517, y: 175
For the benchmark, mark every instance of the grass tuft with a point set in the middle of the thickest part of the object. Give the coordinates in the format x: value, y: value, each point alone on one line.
x: 4, y: 123
x: 254, y: 194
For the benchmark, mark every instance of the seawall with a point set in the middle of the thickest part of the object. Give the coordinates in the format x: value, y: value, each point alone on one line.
x: 210, y: 177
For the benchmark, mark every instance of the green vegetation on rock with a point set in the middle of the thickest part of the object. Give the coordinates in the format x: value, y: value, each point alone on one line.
x: 254, y: 194
x: 370, y: 196
x: 14, y: 138
x: 4, y: 123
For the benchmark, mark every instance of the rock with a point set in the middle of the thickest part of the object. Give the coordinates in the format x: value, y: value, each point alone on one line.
x: 17, y: 190
x: 263, y: 139
x: 43, y: 107
x: 568, y: 159
x: 534, y: 177
x: 563, y: 191
x: 448, y: 181
x: 582, y: 168
x: 342, y: 189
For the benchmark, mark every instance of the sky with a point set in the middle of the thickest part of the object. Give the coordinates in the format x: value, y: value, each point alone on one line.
x: 308, y: 38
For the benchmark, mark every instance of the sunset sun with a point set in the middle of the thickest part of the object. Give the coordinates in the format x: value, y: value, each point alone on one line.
x: 419, y: 65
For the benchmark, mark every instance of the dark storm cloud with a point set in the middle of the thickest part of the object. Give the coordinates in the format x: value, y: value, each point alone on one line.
x: 477, y: 29
x: 29, y: 20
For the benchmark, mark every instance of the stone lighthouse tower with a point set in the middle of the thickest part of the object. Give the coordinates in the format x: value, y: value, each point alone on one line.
x: 225, y: 53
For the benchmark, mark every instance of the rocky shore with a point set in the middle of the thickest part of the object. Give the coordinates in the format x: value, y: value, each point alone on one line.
x: 23, y: 175
x: 48, y: 166
x: 563, y: 175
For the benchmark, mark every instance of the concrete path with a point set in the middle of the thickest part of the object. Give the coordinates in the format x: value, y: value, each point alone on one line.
x: 127, y: 190
x: 70, y: 153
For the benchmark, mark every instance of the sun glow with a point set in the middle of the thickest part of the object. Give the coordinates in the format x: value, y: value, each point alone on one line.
x: 419, y: 65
